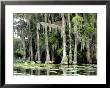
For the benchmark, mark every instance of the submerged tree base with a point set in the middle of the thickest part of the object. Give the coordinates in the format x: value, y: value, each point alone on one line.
x: 64, y: 60
x: 74, y: 62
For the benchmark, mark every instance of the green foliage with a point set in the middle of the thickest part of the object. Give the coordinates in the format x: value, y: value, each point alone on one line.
x: 19, y: 51
x: 52, y: 37
x: 77, y: 18
x: 32, y: 63
x: 77, y: 23
x: 17, y: 47
x: 17, y: 43
x: 42, y: 41
x: 88, y: 28
x: 59, y: 51
x: 29, y: 65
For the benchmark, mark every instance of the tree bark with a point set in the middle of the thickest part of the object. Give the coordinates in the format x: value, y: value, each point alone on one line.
x: 88, y: 52
x: 24, y: 48
x: 30, y: 44
x: 76, y: 41
x: 46, y: 42
x: 75, y: 52
x: 52, y: 53
x: 70, y: 51
x: 38, y: 50
x: 64, y: 58
x: 31, y: 50
x: 23, y: 43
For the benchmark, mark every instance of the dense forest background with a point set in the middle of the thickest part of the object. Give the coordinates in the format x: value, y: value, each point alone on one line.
x: 58, y: 38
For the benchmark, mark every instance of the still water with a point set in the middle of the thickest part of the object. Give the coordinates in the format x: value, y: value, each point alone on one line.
x: 71, y: 70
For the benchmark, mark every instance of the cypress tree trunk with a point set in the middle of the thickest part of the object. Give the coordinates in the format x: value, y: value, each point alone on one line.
x: 88, y: 52
x: 75, y: 52
x: 70, y: 51
x: 30, y: 43
x: 64, y: 58
x: 76, y: 41
x: 52, y: 54
x: 23, y: 43
x: 38, y: 50
x: 31, y: 50
x: 24, y: 48
x: 46, y: 42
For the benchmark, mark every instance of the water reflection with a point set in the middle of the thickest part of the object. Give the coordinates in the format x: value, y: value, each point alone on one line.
x: 64, y: 70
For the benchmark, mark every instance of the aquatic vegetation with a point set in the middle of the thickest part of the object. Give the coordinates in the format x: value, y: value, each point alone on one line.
x: 53, y: 69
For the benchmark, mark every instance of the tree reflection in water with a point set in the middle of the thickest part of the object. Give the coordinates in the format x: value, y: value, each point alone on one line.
x: 63, y: 70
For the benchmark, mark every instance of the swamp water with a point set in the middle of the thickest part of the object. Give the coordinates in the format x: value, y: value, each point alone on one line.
x: 58, y: 70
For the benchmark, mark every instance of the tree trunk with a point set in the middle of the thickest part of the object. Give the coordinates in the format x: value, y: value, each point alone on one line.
x: 31, y: 50
x: 76, y: 41
x: 88, y: 52
x: 52, y: 52
x: 24, y: 48
x: 64, y: 58
x: 30, y: 43
x: 75, y: 52
x: 46, y: 42
x: 38, y: 50
x: 70, y: 51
